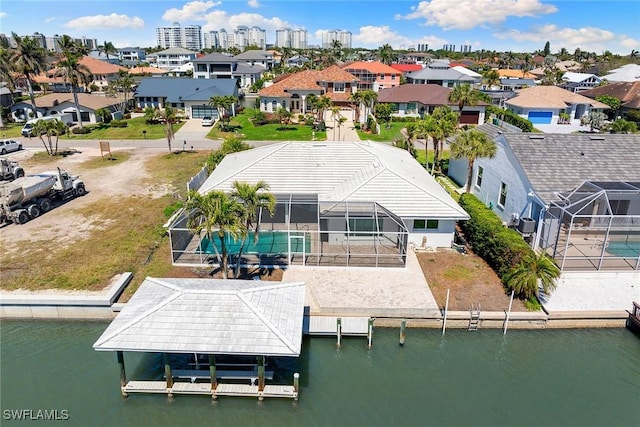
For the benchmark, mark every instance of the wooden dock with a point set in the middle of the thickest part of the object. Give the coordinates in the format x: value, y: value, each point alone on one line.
x: 204, y: 389
x: 328, y: 325
x: 634, y: 315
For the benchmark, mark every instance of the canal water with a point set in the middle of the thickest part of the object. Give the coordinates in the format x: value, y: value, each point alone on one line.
x: 526, y: 378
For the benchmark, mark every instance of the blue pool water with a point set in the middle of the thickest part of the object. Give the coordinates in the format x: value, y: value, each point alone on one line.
x: 269, y: 242
x: 624, y: 249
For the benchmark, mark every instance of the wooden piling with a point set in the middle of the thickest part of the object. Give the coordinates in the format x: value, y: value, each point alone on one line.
x: 370, y: 332
x: 167, y: 370
x: 296, y: 384
x: 123, y: 372
x: 446, y: 309
x: 212, y: 372
x: 403, y: 331
x: 339, y: 330
x: 260, y: 373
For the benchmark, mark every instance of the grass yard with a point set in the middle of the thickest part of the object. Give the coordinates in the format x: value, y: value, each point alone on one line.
x: 134, y: 130
x: 386, y: 134
x: 243, y: 126
x: 11, y: 130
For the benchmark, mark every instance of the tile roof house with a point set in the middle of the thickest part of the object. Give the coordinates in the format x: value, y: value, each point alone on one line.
x: 417, y: 100
x: 291, y: 91
x: 62, y: 102
x: 544, y: 104
x: 627, y: 92
x: 192, y: 95
x: 373, y: 75
x: 405, y: 68
x: 147, y: 71
x: 515, y: 74
x: 531, y: 170
x: 101, y: 74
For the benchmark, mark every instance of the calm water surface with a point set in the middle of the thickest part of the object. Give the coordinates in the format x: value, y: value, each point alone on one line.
x: 528, y: 378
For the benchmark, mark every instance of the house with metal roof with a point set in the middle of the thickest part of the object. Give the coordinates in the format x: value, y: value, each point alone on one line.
x: 172, y: 57
x: 262, y: 58
x: 536, y: 184
x: 544, y: 104
x: 417, y: 100
x: 218, y: 66
x: 338, y: 203
x: 626, y: 73
x: 191, y: 95
x: 439, y: 73
x: 60, y: 103
x: 578, y: 82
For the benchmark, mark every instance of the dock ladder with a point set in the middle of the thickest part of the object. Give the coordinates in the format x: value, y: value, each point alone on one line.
x: 474, y: 318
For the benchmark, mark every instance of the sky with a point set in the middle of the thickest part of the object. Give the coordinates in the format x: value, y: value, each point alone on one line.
x: 501, y: 25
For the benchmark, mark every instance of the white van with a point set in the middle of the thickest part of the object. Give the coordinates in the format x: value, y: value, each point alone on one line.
x: 27, y: 129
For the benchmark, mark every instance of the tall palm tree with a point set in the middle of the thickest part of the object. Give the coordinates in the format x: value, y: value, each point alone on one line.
x: 73, y: 72
x: 170, y: 117
x: 357, y: 99
x: 108, y: 49
x: 216, y: 214
x: 463, y: 95
x: 471, y: 145
x: 386, y: 54
x: 51, y: 129
x: 534, y: 271
x: 491, y: 78
x: 255, y: 198
x: 223, y: 104
x: 29, y: 59
x: 369, y: 98
x: 6, y: 70
x: 439, y: 125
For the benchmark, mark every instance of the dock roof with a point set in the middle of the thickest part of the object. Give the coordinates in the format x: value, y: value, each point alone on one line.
x: 209, y: 316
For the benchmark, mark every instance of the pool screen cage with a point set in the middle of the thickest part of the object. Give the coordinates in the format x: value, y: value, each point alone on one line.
x: 595, y: 227
x: 303, y: 231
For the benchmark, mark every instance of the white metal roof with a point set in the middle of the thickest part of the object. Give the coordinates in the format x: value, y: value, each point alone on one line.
x: 341, y: 171
x: 209, y: 316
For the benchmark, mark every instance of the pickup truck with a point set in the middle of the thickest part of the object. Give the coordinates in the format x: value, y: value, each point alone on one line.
x: 9, y: 145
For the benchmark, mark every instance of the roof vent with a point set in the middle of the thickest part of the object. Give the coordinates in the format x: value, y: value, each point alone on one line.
x: 597, y: 138
x: 536, y: 136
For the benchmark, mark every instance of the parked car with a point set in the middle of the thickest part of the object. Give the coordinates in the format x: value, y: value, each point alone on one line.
x: 207, y: 121
x: 9, y: 145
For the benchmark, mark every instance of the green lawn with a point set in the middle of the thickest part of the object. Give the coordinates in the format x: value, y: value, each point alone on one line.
x: 132, y: 131
x: 386, y: 134
x: 11, y: 130
x: 243, y: 127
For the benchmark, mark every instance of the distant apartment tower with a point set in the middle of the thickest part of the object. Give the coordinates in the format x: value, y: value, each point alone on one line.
x: 465, y: 48
x: 211, y: 40
x: 187, y: 37
x: 296, y: 39
x: 254, y: 36
x: 449, y: 47
x: 422, y: 47
x: 329, y: 37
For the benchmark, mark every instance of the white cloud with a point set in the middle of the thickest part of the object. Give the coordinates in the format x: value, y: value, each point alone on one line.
x: 373, y: 37
x: 218, y: 20
x: 3, y: 14
x: 586, y: 38
x: 50, y: 19
x: 468, y: 14
x: 254, y: 4
x: 100, y: 22
x: 192, y: 11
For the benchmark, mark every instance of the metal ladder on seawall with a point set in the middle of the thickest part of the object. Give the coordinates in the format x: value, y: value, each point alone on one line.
x: 474, y: 318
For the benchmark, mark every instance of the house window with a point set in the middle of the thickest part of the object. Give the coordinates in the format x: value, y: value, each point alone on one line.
x: 619, y: 207
x: 381, y: 76
x: 274, y: 105
x: 479, y: 177
x: 393, y: 76
x: 338, y: 87
x: 503, y: 195
x: 412, y: 108
x: 362, y: 227
x: 425, y: 224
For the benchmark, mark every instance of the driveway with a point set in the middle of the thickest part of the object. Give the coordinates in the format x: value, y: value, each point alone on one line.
x: 192, y: 131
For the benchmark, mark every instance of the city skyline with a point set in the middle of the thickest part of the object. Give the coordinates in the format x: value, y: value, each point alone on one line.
x: 501, y: 25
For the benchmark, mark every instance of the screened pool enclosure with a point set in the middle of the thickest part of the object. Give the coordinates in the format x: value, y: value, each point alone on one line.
x: 595, y: 227
x: 303, y: 231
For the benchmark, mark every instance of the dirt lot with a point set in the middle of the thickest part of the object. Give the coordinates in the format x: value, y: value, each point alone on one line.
x: 87, y: 219
x: 469, y: 279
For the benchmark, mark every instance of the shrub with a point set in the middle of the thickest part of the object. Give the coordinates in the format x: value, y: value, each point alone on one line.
x: 127, y: 116
x: 510, y: 117
x: 80, y: 131
x: 119, y: 123
x: 502, y: 248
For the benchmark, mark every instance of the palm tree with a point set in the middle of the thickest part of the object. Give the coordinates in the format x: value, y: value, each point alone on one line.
x: 170, y: 117
x: 122, y: 85
x: 595, y: 119
x: 623, y: 126
x: 223, y: 104
x: 534, y: 271
x: 472, y: 145
x: 215, y: 211
x: 51, y: 129
x: 369, y: 98
x: 463, y: 95
x: 357, y: 99
x: 320, y: 104
x: 255, y: 198
x: 74, y: 72
x: 29, y: 59
x: 108, y: 49
x: 386, y: 54
x: 440, y: 125
x: 6, y: 70
x: 491, y: 78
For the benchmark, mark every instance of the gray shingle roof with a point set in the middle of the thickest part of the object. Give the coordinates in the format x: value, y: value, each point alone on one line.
x: 179, y: 89
x: 561, y: 162
x: 209, y: 316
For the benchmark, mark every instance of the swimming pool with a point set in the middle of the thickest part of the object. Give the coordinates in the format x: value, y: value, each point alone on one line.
x: 628, y: 249
x: 269, y: 242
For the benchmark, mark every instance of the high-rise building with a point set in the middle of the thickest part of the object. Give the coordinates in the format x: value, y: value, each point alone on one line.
x: 421, y: 47
x: 465, y: 48
x: 188, y: 37
x: 342, y: 36
x: 296, y: 39
x: 211, y: 40
x: 449, y: 47
x: 240, y: 38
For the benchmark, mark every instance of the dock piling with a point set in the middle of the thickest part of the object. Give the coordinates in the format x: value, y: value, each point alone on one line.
x: 446, y: 309
x: 370, y: 332
x: 296, y: 384
x: 123, y: 373
x: 339, y: 330
x: 403, y: 327
x: 212, y: 372
x: 506, y: 320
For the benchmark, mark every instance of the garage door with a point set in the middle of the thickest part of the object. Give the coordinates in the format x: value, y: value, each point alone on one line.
x: 200, y: 111
x: 540, y: 117
x: 470, y: 117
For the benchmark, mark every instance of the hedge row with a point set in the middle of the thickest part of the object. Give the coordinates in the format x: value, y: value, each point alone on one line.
x: 510, y: 117
x: 501, y: 247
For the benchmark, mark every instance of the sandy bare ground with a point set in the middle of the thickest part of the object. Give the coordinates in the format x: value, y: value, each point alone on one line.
x: 64, y: 224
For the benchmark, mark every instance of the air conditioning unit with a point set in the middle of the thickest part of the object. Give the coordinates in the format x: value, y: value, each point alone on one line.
x: 527, y: 225
x: 515, y: 218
